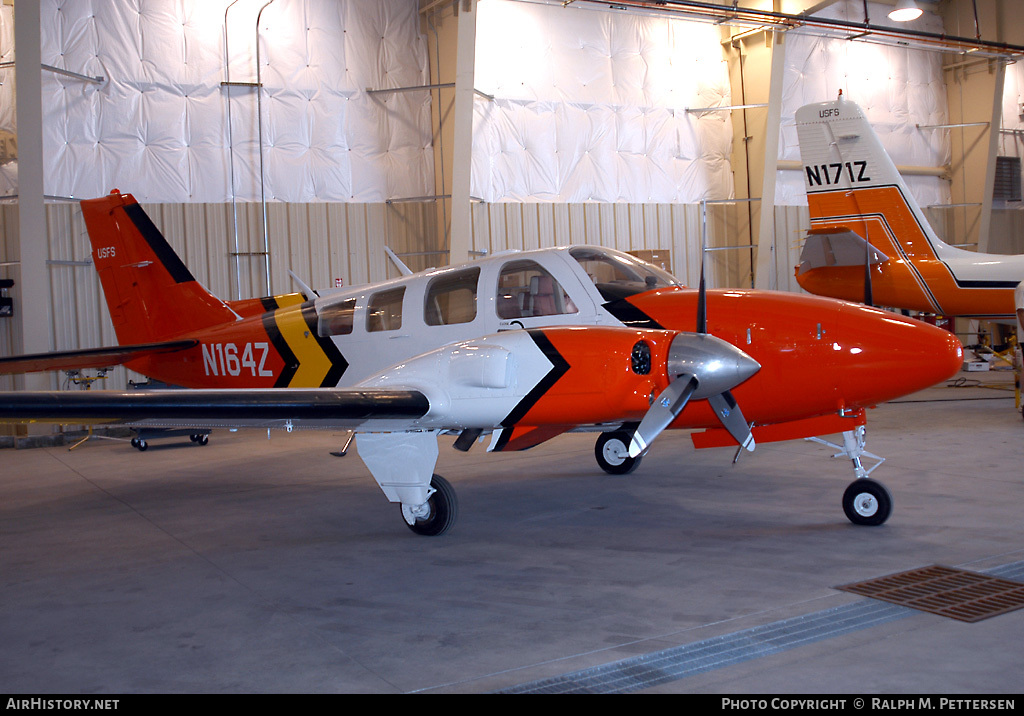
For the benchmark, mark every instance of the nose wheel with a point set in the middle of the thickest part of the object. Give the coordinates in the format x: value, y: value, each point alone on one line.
x: 867, y: 502
x: 612, y: 453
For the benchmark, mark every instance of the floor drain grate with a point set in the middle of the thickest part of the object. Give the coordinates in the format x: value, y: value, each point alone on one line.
x: 955, y: 593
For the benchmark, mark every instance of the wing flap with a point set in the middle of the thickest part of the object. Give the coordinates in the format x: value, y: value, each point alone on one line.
x: 89, y: 357
x: 272, y: 407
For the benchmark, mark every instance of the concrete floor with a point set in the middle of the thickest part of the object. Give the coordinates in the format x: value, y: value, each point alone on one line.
x: 255, y: 565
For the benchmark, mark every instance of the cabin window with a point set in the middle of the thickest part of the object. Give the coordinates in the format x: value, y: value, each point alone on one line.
x: 452, y: 298
x: 336, y: 319
x: 525, y: 289
x: 384, y: 312
x: 617, y: 275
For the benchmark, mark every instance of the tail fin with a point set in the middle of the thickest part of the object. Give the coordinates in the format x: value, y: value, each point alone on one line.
x: 853, y: 186
x: 151, y: 294
x: 850, y: 177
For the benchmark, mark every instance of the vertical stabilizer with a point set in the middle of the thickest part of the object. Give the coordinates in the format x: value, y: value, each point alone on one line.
x: 848, y: 175
x: 151, y: 294
x: 853, y: 187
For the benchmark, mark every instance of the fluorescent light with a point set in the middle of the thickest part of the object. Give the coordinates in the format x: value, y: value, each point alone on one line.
x: 905, y: 11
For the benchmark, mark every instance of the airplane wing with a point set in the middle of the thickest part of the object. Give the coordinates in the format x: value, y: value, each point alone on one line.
x: 88, y: 357
x: 258, y: 408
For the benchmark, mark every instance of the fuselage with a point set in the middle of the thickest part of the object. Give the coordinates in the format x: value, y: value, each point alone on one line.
x: 818, y: 356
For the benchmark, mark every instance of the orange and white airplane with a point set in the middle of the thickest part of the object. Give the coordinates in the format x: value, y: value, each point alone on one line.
x: 869, y: 240
x: 521, y: 346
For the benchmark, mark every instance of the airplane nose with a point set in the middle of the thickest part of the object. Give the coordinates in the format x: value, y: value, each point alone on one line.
x: 884, y: 355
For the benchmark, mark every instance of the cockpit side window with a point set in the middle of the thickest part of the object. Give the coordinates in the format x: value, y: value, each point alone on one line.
x: 452, y: 298
x: 336, y: 320
x: 384, y: 312
x: 525, y: 289
x: 617, y: 275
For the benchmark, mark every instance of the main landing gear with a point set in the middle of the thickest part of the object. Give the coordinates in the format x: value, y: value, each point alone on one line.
x: 437, y: 514
x: 612, y: 453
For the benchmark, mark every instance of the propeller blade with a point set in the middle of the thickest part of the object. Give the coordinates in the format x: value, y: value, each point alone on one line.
x: 699, y: 366
x: 729, y: 413
x: 868, y: 298
x: 664, y: 410
x: 702, y: 301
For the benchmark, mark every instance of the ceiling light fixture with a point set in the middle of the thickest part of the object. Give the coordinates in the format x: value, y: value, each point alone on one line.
x: 905, y: 11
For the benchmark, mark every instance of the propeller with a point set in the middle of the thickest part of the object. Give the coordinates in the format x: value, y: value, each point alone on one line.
x: 700, y: 365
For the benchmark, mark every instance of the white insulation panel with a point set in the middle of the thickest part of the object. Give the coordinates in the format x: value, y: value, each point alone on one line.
x: 158, y: 124
x: 1011, y: 143
x: 589, y: 105
x: 8, y: 169
x: 897, y: 87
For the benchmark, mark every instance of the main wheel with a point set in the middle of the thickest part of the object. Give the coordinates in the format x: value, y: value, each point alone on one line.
x: 439, y: 512
x: 200, y: 438
x: 139, y: 444
x: 612, y: 453
x: 867, y: 502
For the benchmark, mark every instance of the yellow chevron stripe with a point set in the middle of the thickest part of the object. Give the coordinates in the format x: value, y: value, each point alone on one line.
x: 313, y: 362
x: 289, y: 299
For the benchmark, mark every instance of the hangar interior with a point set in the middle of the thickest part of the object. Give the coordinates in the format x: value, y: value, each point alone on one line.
x: 305, y: 137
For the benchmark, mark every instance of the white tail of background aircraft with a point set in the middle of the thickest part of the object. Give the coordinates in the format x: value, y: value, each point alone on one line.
x: 869, y: 240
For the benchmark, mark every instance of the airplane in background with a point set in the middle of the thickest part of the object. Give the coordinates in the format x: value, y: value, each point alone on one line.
x: 521, y: 346
x: 869, y: 240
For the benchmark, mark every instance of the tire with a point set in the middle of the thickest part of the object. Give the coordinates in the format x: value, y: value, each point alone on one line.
x: 612, y: 453
x: 867, y: 502
x: 139, y: 444
x: 443, y: 508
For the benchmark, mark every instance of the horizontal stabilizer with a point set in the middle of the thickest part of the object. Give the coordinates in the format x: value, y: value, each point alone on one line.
x: 837, y: 247
x: 89, y: 357
x: 271, y: 407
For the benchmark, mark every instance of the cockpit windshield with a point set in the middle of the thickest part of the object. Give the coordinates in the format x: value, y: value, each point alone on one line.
x: 618, y: 275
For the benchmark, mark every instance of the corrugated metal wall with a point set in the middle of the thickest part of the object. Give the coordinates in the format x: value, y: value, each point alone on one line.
x: 329, y: 243
x: 673, y: 228
x: 322, y: 243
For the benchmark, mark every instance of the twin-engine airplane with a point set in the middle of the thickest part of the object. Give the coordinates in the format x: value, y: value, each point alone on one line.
x: 869, y: 240
x: 522, y: 346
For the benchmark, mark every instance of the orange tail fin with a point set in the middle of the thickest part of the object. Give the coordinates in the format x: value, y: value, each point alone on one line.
x: 151, y: 294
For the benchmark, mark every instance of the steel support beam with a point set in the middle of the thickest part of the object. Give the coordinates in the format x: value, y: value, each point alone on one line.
x: 32, y: 290
x: 462, y: 155
x: 764, y: 273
